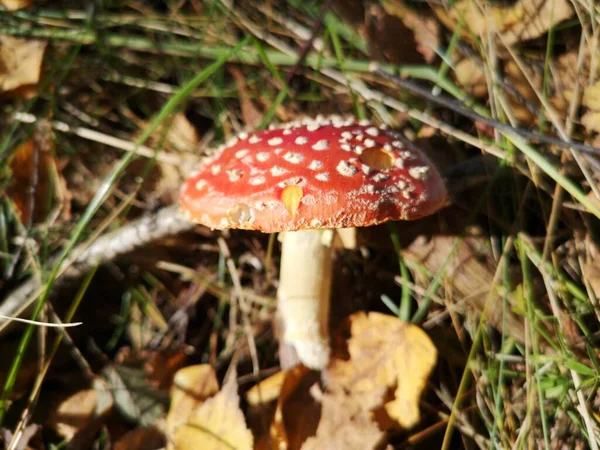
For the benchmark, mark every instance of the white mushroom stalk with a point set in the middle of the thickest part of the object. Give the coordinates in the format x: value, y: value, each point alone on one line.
x: 303, y: 296
x: 306, y: 179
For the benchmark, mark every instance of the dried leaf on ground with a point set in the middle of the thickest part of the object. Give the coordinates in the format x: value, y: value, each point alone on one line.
x: 14, y: 5
x: 146, y: 438
x: 591, y: 99
x: 267, y: 390
x: 79, y: 417
x: 20, y: 65
x: 218, y: 423
x: 134, y: 397
x: 424, y: 27
x: 161, y: 367
x: 521, y: 21
x: 181, y: 134
x: 251, y: 115
x: 383, y: 353
x: 346, y: 424
x: 469, y: 271
x: 191, y: 387
x: 37, y: 183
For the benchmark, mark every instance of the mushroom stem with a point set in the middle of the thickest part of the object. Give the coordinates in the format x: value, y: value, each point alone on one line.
x: 303, y: 295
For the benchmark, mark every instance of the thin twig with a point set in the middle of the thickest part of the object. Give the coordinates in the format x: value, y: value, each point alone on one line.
x: 165, y: 222
x: 459, y: 108
x: 102, y: 138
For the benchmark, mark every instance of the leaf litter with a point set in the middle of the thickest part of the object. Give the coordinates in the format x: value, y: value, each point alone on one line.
x: 371, y: 395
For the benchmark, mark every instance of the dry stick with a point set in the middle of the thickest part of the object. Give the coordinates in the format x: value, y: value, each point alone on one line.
x: 555, y: 307
x: 558, y: 196
x: 459, y: 107
x: 241, y: 298
x: 165, y: 222
x: 102, y: 138
x: 308, y: 45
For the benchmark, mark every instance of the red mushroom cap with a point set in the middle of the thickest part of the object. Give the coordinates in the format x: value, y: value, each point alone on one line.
x: 314, y: 173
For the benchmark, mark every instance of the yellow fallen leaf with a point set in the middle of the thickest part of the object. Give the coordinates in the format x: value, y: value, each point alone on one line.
x: 218, y: 424
x: 20, y: 63
x: 267, y: 390
x: 518, y: 22
x: 591, y: 121
x: 471, y: 77
x: 591, y: 96
x: 191, y: 387
x: 14, y: 5
x: 384, y: 353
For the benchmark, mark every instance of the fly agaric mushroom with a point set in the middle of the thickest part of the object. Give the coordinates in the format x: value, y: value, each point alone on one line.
x: 304, y: 179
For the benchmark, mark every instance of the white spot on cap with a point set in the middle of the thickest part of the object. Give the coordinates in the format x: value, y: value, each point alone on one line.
x: 275, y: 141
x: 366, y: 169
x: 359, y: 137
x: 243, y: 135
x: 301, y: 140
x: 372, y: 131
x: 241, y: 153
x: 234, y: 175
x: 346, y: 135
x: 315, y: 165
x: 379, y: 177
x: 316, y: 223
x: 418, y: 173
x: 369, y: 143
x: 215, y: 169
x: 287, y: 131
x: 402, y: 185
x: 346, y: 147
x: 293, y: 157
x: 397, y: 144
x: 277, y: 171
x: 313, y: 126
x: 257, y: 180
x: 254, y: 139
x: 262, y: 156
x: 364, y: 122
x: 323, y: 144
x: 322, y: 176
x: 200, y: 184
x: 346, y: 169
x: 309, y: 200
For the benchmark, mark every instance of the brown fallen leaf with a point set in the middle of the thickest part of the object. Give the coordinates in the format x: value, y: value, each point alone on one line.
x: 37, y: 185
x: 146, y: 438
x: 423, y: 26
x: 297, y: 414
x: 346, y: 424
x: 216, y: 424
x: 381, y: 354
x: 20, y: 65
x: 518, y: 22
x: 251, y: 115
